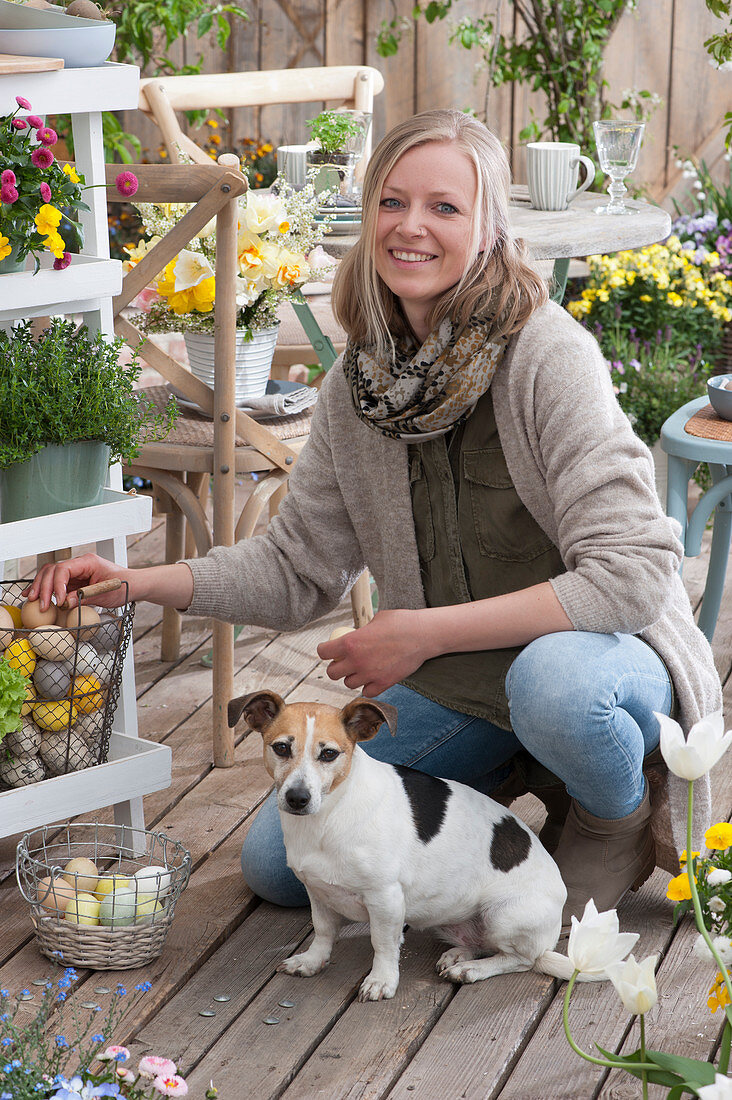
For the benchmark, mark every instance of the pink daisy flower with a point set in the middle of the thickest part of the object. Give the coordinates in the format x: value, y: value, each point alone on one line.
x: 114, y: 1053
x: 8, y: 193
x: 23, y: 102
x: 34, y: 121
x: 126, y: 183
x: 8, y: 176
x: 20, y: 124
x: 152, y: 1066
x: 45, y: 192
x: 46, y: 135
x: 42, y: 158
x: 171, y: 1086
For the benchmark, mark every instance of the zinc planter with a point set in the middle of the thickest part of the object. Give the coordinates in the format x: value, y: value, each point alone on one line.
x: 57, y: 479
x: 253, y: 360
x: 11, y: 264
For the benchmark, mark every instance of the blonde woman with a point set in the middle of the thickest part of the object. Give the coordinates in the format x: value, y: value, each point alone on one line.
x: 468, y: 449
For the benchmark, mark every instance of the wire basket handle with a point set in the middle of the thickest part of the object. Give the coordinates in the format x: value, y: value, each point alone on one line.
x: 98, y: 589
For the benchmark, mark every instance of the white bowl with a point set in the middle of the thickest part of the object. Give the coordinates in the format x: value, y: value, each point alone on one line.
x: 21, y: 17
x: 79, y: 47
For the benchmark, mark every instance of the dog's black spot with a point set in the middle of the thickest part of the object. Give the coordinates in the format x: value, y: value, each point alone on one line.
x: 510, y: 845
x: 428, y: 798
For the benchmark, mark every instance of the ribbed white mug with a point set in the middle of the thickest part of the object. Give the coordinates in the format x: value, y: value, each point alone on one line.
x: 552, y: 168
x: 292, y: 163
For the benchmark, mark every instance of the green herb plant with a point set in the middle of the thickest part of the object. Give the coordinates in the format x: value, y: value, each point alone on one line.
x: 12, y: 696
x: 333, y: 129
x: 67, y: 386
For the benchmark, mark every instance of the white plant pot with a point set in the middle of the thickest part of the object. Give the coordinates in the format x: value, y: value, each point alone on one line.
x: 253, y: 360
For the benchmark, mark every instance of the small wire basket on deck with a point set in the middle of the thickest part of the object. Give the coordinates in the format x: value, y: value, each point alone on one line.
x: 111, y: 909
x: 73, y: 668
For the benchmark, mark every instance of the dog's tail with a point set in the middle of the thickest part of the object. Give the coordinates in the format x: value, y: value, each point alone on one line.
x: 559, y: 966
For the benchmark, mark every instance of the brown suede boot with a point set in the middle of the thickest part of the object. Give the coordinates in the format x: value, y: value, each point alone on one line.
x: 527, y: 776
x: 604, y: 858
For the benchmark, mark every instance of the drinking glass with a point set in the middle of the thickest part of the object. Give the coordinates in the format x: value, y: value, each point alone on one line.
x: 618, y: 145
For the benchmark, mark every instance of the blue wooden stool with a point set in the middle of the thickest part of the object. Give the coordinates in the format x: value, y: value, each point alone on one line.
x: 685, y: 452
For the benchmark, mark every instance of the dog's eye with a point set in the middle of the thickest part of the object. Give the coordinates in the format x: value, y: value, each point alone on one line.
x: 281, y: 748
x: 329, y: 755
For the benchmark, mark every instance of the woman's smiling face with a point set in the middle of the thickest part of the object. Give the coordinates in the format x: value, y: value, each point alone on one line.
x: 424, y: 227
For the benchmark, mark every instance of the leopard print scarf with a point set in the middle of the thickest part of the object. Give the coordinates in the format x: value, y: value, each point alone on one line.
x: 421, y: 395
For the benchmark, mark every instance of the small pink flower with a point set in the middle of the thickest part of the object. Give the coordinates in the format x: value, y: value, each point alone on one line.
x: 46, y: 135
x: 171, y: 1086
x: 8, y: 176
x: 23, y: 102
x: 114, y: 1053
x: 45, y: 192
x: 8, y: 193
x: 20, y: 124
x: 152, y: 1066
x: 42, y: 158
x: 34, y: 121
x: 126, y: 183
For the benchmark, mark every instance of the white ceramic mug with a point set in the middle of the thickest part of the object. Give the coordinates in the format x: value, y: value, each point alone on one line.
x: 552, y: 168
x: 291, y: 163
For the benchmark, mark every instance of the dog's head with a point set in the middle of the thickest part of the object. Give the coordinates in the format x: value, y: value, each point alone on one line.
x: 308, y: 747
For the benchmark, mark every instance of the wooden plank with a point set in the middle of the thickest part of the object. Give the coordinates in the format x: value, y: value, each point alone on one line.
x: 17, y: 63
x: 294, y: 37
x: 345, y: 32
x: 245, y: 55
x: 398, y: 100
x: 448, y: 75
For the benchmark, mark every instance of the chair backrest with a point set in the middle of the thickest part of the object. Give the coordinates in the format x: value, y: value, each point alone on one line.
x: 161, y: 97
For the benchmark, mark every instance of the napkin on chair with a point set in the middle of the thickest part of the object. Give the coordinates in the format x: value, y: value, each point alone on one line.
x: 282, y: 398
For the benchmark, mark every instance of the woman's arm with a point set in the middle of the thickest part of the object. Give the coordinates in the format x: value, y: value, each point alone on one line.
x: 168, y: 585
x: 395, y: 643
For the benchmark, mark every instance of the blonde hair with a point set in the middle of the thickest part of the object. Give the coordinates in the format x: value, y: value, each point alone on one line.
x: 500, y: 281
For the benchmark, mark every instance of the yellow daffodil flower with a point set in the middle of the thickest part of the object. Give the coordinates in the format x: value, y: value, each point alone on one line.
x: 138, y: 251
x: 199, y: 298
x: 292, y: 269
x: 262, y: 212
x: 718, y: 994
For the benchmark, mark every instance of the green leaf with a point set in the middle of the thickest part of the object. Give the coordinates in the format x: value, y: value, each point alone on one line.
x: 630, y: 1063
x: 204, y: 24
x: 691, y: 1069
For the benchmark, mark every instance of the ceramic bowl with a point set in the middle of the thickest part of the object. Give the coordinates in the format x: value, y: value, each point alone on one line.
x: 79, y: 47
x: 719, y: 396
x: 21, y: 17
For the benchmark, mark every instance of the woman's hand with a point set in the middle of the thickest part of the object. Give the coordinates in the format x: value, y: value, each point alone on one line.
x: 63, y: 578
x: 379, y: 654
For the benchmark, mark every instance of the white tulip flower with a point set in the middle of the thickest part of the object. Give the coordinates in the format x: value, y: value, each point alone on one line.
x: 692, y: 757
x: 719, y: 876
x: 191, y: 268
x: 595, y: 942
x: 635, y: 983
x: 720, y: 1090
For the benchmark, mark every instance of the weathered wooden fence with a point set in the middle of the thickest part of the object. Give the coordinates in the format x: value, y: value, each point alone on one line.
x: 659, y: 46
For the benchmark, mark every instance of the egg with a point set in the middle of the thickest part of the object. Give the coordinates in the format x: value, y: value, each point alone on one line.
x: 55, y: 894
x: 81, y: 873
x: 65, y: 751
x: 7, y: 626
x: 154, y: 880
x: 106, y: 635
x: 20, y: 654
x: 91, y: 727
x: 53, y: 643
x: 54, y: 717
x: 107, y: 884
x: 89, y: 663
x: 147, y: 909
x: 82, y: 620
x: 31, y: 615
x: 23, y: 742
x: 14, y: 611
x: 339, y: 632
x: 30, y: 697
x: 52, y: 679
x: 87, y: 694
x: 21, y: 771
x: 82, y: 909
x: 118, y: 909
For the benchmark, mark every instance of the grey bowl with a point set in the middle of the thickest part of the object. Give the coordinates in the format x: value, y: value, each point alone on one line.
x: 721, y: 399
x: 79, y: 47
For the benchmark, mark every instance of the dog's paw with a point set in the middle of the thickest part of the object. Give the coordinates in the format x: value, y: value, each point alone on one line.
x: 451, y: 958
x: 303, y: 965
x: 463, y: 972
x: 375, y: 989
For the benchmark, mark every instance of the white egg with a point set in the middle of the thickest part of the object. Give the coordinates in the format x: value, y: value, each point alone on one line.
x: 7, y: 626
x: 155, y: 880
x: 89, y: 663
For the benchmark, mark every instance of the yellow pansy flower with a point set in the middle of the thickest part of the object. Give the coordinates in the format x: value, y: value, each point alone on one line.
x: 679, y: 888
x: 71, y: 172
x: 5, y: 247
x: 719, y: 836
x: 47, y: 219
x: 646, y: 298
x: 54, y: 242
x: 682, y: 857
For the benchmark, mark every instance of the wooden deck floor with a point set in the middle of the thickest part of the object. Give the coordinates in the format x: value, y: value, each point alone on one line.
x: 433, y: 1041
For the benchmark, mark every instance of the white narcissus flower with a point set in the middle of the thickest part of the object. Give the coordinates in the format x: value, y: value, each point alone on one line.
x: 248, y: 290
x: 720, y: 1090
x: 722, y: 944
x: 719, y: 876
x: 263, y: 212
x: 635, y: 983
x: 191, y: 268
x: 706, y: 744
x: 595, y: 942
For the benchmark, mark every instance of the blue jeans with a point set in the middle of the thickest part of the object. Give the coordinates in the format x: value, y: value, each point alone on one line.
x: 581, y: 704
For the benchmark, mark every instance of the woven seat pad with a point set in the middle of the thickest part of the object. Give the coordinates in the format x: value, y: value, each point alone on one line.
x: 707, y: 425
x: 193, y: 429
x: 291, y: 331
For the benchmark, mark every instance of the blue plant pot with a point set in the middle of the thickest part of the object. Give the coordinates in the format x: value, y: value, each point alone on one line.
x: 57, y: 479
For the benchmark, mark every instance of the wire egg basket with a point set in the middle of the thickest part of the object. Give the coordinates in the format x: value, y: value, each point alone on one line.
x: 113, y: 908
x: 73, y: 668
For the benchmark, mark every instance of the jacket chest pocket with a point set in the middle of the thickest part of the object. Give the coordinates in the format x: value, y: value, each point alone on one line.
x: 504, y: 528
x: 421, y: 508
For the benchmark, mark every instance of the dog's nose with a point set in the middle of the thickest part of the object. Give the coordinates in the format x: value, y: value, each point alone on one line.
x: 297, y: 798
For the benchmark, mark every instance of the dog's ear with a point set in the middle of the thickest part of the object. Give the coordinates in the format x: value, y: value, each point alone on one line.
x: 362, y: 718
x: 259, y: 708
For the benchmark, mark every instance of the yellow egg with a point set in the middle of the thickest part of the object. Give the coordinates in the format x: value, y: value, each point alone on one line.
x: 14, y: 613
x: 339, y: 632
x: 31, y: 615
x: 83, y: 909
x: 54, y: 717
x: 107, y: 884
x: 7, y: 626
x: 82, y: 874
x: 30, y: 697
x: 53, y: 643
x: 82, y: 620
x: 19, y: 654
x: 55, y: 894
x: 147, y: 909
x: 87, y: 694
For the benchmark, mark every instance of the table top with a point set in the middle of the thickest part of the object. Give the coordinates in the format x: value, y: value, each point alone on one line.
x: 558, y: 234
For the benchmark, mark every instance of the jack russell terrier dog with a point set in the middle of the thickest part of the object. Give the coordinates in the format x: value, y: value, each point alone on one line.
x: 391, y: 845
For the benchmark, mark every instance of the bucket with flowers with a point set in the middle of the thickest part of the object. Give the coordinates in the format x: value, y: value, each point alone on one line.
x: 276, y: 231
